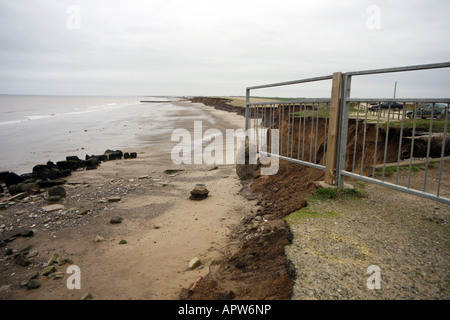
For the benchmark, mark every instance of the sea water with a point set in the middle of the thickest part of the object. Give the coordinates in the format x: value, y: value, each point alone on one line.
x: 37, y: 129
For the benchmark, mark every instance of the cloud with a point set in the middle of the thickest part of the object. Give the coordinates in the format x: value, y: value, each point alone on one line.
x: 200, y: 47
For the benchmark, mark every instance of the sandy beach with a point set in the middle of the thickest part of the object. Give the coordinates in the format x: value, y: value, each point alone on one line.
x: 162, y: 227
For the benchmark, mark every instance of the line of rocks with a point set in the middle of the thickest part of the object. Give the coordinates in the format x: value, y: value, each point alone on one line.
x: 50, y: 174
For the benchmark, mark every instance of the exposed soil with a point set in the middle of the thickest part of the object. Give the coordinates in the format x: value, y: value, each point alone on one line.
x: 262, y: 270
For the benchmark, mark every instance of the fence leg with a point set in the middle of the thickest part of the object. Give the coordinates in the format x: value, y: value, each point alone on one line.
x: 247, y: 110
x: 330, y: 156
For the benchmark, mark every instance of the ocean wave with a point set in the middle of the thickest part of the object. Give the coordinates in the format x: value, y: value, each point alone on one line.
x: 9, y: 122
x: 81, y: 110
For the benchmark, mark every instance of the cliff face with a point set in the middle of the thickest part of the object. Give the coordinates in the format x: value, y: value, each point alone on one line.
x: 220, y: 104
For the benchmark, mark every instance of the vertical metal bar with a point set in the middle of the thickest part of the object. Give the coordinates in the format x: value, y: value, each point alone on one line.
x: 400, y: 143
x: 317, y: 133
x: 255, y: 127
x: 325, y: 133
x: 288, y: 124
x: 299, y: 130
x: 247, y: 102
x: 356, y: 138
x: 281, y: 133
x: 376, y: 144
x: 443, y: 149
x: 304, y: 131
x: 386, y: 140
x: 364, y: 139
x: 312, y: 130
x: 428, y: 148
x: 293, y: 127
x: 412, y: 144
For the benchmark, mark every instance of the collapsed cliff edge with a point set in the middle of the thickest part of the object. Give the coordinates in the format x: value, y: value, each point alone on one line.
x: 259, y: 269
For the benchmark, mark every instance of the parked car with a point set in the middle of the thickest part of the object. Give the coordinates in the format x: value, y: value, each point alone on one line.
x: 385, y: 105
x: 425, y: 111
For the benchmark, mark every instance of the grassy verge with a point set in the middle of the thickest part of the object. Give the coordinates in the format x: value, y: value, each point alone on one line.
x: 323, y: 194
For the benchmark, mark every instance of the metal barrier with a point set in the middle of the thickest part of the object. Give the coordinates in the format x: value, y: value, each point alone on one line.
x: 350, y: 137
x: 297, y: 120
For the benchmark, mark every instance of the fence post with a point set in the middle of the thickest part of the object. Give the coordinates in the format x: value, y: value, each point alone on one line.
x: 247, y: 110
x: 341, y: 153
x: 330, y: 156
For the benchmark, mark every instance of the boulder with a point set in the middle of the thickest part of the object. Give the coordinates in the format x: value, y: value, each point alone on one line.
x: 133, y: 155
x: 199, y: 192
x: 194, y: 263
x: 12, y: 179
x: 114, y: 155
x: 3, y: 175
x: 57, y: 191
x: 22, y: 259
x: 116, y: 220
x: 50, y: 183
x: 33, y: 284
x: 32, y: 188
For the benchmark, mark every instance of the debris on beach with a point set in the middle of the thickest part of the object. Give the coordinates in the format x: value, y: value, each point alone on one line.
x: 115, y: 220
x: 199, y: 192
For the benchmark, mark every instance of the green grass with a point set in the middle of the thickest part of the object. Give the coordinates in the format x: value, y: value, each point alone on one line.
x: 421, y: 125
x: 322, y: 194
x: 393, y: 169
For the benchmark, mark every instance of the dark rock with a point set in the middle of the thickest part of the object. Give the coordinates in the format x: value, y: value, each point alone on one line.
x: 114, y: 155
x: 41, y: 171
x: 32, y: 188
x: 91, y: 163
x: 73, y: 158
x: 53, y: 199
x: 12, y: 179
x: 199, y: 192
x: 1, y: 190
x: 133, y: 155
x: 22, y: 260
x: 3, y: 175
x: 11, y: 235
x: 126, y: 155
x: 70, y: 164
x: 33, y: 284
x: 115, y: 220
x: 50, y: 183
x: 172, y: 171
x: 114, y: 199
x: 57, y: 191
x: 27, y: 177
x: 51, y: 165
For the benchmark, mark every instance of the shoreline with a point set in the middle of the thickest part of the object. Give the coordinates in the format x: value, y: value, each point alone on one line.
x: 153, y: 264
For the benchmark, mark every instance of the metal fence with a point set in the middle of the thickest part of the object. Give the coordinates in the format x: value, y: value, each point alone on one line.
x: 397, y: 143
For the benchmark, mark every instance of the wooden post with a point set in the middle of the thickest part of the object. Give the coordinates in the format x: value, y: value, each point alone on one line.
x: 330, y: 156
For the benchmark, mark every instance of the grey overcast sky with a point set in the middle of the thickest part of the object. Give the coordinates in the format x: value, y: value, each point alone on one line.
x: 218, y: 47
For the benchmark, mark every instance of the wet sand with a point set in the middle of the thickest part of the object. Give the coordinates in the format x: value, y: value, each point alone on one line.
x: 163, y: 228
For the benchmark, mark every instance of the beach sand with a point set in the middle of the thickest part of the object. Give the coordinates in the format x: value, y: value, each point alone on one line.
x: 162, y: 227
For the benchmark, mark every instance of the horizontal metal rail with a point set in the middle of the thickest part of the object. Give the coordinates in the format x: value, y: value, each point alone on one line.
x: 401, y: 69
x: 279, y: 84
x: 305, y: 100
x: 406, y: 100
x: 397, y: 187
x: 372, y: 145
